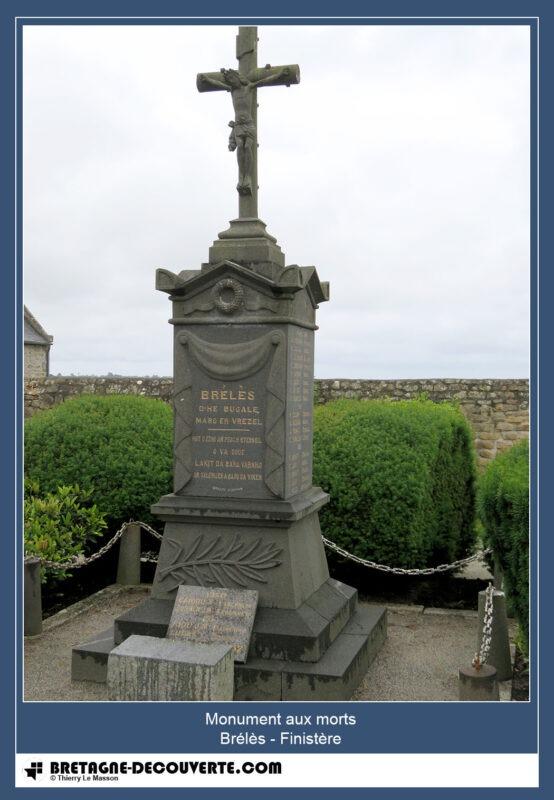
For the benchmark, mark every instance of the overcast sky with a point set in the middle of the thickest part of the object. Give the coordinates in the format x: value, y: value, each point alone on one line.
x: 399, y: 167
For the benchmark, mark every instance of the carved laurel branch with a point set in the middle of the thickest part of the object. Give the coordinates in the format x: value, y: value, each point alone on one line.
x: 218, y: 564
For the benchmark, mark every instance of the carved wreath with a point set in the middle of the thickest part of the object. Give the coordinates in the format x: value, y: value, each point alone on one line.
x: 217, y: 563
x: 237, y: 300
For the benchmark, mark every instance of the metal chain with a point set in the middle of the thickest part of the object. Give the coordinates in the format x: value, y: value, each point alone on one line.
x: 382, y: 567
x: 149, y: 558
x: 400, y: 570
x: 81, y: 561
x: 148, y: 528
x: 481, y: 657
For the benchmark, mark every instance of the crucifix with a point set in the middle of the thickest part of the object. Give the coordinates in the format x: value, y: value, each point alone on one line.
x: 242, y: 85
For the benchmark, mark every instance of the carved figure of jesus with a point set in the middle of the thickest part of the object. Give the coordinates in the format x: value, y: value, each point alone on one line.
x: 243, y: 133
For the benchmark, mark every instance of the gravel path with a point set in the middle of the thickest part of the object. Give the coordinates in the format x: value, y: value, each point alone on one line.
x: 47, y: 674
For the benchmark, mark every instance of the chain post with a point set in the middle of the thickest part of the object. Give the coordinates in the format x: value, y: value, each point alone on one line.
x: 498, y: 654
x: 32, y: 597
x: 128, y: 564
x: 481, y: 657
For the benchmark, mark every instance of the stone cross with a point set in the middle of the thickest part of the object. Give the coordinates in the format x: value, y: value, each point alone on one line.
x: 242, y: 85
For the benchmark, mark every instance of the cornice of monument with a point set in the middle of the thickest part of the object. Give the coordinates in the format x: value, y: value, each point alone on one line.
x: 291, y: 280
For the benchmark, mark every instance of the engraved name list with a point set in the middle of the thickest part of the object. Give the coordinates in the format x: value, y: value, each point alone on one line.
x: 228, y: 438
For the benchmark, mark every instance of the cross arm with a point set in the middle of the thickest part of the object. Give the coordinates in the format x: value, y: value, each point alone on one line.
x: 260, y: 76
x: 211, y: 82
x: 275, y: 76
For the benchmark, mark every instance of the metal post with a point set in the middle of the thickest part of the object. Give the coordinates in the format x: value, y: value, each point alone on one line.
x: 128, y: 565
x: 32, y: 597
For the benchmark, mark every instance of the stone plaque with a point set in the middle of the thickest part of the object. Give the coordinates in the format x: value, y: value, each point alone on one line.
x: 224, y: 616
x: 229, y: 402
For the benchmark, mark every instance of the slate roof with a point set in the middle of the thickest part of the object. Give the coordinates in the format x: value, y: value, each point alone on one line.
x: 33, y: 332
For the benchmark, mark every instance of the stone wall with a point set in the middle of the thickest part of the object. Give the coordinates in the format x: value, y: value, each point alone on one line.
x: 498, y: 410
x: 41, y: 394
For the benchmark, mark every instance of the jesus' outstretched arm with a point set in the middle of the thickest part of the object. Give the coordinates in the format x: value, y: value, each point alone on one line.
x: 206, y: 79
x: 271, y: 78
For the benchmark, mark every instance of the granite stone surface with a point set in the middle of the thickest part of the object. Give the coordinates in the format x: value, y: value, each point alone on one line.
x: 335, y: 676
x: 222, y: 616
x: 89, y: 661
x: 149, y: 618
x: 149, y: 668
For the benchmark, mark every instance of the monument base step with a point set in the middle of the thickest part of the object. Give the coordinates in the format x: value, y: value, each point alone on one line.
x: 320, y: 650
x: 89, y: 661
x: 149, y: 618
x: 306, y: 632
x: 299, y: 634
x: 334, y: 677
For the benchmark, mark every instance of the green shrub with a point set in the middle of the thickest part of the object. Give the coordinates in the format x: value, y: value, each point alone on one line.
x: 116, y: 447
x: 503, y: 507
x: 401, y: 477
x: 58, y: 525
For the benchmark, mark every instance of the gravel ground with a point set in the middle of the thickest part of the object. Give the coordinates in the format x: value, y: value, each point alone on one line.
x: 419, y: 660
x: 47, y: 674
x: 421, y: 656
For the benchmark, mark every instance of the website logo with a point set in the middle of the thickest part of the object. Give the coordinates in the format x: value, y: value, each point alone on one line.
x: 34, y: 770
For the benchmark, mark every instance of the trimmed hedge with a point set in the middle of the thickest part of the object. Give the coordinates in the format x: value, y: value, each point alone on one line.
x: 118, y: 447
x: 503, y: 507
x: 401, y: 477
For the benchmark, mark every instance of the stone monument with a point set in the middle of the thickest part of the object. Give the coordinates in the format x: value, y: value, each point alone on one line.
x: 244, y: 513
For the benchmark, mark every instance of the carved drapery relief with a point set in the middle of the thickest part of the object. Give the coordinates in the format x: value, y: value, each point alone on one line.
x: 232, y: 362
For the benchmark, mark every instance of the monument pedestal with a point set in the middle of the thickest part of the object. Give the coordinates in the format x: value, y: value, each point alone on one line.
x: 318, y: 651
x: 244, y: 513
x: 310, y: 641
x: 272, y: 546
